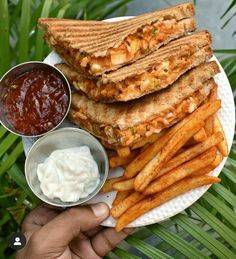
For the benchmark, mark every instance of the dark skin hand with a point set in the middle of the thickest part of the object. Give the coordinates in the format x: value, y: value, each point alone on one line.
x: 74, y: 233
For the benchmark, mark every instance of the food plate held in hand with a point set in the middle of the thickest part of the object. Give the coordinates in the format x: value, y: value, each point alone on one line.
x: 166, y: 118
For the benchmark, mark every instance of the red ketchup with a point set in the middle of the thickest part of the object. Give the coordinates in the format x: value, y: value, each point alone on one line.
x: 36, y: 101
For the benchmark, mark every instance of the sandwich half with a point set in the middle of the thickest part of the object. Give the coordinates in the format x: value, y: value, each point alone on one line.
x: 149, y: 74
x: 123, y: 124
x: 96, y: 47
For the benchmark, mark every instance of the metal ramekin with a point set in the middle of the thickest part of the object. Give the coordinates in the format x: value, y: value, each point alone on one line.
x: 61, y: 139
x: 15, y: 72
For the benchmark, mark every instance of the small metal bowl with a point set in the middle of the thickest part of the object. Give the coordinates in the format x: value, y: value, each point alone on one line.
x: 14, y: 73
x: 61, y: 139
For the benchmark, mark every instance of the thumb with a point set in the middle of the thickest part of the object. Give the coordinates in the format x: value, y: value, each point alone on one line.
x: 66, y: 226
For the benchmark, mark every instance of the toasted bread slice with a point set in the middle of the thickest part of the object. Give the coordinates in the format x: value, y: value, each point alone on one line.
x: 96, y: 47
x: 149, y: 74
x: 121, y: 124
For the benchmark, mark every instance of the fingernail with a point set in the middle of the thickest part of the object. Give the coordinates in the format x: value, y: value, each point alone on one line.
x: 99, y: 209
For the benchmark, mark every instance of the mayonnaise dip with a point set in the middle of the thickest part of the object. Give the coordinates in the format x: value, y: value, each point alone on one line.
x: 68, y: 174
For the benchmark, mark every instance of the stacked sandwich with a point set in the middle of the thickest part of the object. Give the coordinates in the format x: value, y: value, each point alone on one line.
x: 145, y: 88
x: 134, y: 77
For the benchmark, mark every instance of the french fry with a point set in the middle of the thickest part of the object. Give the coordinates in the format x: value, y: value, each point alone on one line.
x: 149, y: 153
x: 200, y: 135
x: 124, y: 185
x: 181, y: 172
x: 148, y: 140
x: 210, y: 167
x: 119, y: 161
x: 158, y: 199
x: 222, y: 146
x: 147, y: 174
x: 205, y: 111
x: 209, y: 123
x: 120, y: 196
x: 108, y: 186
x: 120, y: 208
x: 144, y: 157
x: 219, y: 158
x: 123, y: 152
x: 205, y: 170
x: 192, y: 152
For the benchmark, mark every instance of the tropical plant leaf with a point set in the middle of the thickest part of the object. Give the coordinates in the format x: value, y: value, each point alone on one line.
x: 146, y: 249
x: 24, y: 29
x: 5, y: 56
x: 231, y: 6
x: 124, y: 254
x: 203, y: 237
x: 228, y: 234
x: 177, y: 242
x: 17, y: 213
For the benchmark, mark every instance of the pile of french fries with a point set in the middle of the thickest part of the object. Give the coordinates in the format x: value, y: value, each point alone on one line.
x: 165, y: 165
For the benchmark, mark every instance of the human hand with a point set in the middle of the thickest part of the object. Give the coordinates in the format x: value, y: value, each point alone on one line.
x: 73, y: 233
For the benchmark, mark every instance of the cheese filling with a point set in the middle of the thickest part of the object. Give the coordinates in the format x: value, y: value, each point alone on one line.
x: 134, y: 45
x: 156, y: 78
x: 125, y: 137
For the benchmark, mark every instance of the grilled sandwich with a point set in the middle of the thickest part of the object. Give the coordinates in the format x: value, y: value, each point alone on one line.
x: 149, y: 74
x: 122, y: 124
x: 95, y: 47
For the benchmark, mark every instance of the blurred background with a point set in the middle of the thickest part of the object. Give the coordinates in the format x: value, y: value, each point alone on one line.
x: 208, y: 13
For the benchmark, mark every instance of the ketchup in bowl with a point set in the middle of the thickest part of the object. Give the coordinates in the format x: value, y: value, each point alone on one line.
x: 36, y: 101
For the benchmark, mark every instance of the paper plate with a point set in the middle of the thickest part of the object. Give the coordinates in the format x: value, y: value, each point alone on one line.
x: 227, y: 117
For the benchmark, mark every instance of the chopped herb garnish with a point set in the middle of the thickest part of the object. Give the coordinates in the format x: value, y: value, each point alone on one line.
x: 146, y: 51
x: 154, y: 31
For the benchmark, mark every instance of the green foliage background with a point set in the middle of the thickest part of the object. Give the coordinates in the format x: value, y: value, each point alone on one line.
x: 205, y: 230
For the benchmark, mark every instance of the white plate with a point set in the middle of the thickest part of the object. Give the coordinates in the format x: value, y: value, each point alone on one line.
x: 173, y: 207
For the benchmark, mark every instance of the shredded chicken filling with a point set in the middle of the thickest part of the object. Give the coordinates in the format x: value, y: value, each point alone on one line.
x: 141, y: 42
x: 116, y: 136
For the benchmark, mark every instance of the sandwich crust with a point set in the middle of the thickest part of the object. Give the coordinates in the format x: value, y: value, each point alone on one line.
x: 152, y: 73
x: 122, y: 124
x: 97, y: 47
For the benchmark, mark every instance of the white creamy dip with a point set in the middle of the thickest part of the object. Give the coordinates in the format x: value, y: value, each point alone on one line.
x: 68, y: 174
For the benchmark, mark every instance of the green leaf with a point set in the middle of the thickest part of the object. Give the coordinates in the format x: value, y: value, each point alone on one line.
x: 17, y: 151
x: 223, y: 209
x: 39, y: 38
x: 2, y: 131
x: 231, y: 175
x: 177, y: 242
x: 6, y: 217
x: 146, y: 249
x: 18, y: 177
x: 233, y: 3
x: 123, y: 254
x: 203, y: 237
x: 112, y: 9
x: 24, y: 31
x: 17, y: 213
x: 226, y: 194
x: 5, y: 38
x: 218, y: 226
x: 13, y: 192
x: 7, y: 142
x: 228, y: 20
x: 62, y: 11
